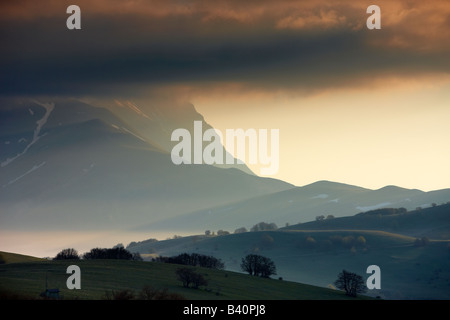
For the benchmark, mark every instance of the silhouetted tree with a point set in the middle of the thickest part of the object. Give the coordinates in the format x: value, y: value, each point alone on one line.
x: 188, y: 276
x: 351, y: 283
x: 136, y: 256
x: 263, y: 226
x: 257, y: 265
x: 67, y: 254
x: 240, y: 230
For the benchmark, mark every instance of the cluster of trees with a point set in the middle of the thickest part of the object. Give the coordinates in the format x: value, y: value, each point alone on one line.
x: 383, y: 212
x: 67, y: 254
x: 354, y: 243
x: 348, y: 241
x: 257, y: 265
x: 98, y: 253
x: 190, y: 278
x: 322, y: 217
x: 253, y: 264
x: 113, y: 253
x: 193, y: 259
x: 219, y: 233
x: 261, y: 226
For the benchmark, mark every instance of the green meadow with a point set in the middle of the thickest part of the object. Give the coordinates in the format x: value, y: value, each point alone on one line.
x: 27, y: 279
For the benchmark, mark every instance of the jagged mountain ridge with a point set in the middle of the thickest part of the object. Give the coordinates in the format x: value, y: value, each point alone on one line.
x: 69, y: 164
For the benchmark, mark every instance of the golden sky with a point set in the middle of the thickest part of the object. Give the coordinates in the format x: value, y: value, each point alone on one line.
x: 358, y: 106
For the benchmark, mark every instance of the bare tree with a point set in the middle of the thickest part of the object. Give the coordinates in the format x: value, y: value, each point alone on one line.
x: 351, y: 283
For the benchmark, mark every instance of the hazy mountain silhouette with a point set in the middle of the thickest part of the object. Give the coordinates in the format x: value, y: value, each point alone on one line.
x: 68, y: 164
x: 303, y: 204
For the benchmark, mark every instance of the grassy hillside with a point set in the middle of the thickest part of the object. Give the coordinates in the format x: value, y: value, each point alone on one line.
x: 8, y: 257
x: 316, y: 257
x: 28, y: 279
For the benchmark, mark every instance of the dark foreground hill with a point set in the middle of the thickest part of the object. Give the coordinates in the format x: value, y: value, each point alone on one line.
x: 100, y: 278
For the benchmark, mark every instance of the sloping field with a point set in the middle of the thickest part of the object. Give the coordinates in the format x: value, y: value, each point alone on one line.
x: 101, y: 277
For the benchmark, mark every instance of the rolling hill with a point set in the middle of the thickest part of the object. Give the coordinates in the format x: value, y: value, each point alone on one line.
x: 302, y: 204
x: 26, y: 280
x: 433, y: 222
x: 313, y: 253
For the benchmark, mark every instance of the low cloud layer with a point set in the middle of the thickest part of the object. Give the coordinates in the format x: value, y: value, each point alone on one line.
x: 132, y: 45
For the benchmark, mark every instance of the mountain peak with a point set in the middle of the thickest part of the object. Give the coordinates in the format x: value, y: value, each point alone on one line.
x: 326, y: 184
x: 393, y: 188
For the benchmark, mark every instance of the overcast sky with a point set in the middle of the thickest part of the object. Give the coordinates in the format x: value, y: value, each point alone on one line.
x: 359, y: 106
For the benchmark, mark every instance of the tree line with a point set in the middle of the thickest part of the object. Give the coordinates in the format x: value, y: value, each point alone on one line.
x: 261, y: 226
x: 98, y: 253
x: 193, y: 259
x: 253, y: 264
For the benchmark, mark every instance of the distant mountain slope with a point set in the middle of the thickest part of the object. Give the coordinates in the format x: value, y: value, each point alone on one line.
x: 71, y: 165
x: 303, y: 204
x: 156, y: 121
x: 433, y: 222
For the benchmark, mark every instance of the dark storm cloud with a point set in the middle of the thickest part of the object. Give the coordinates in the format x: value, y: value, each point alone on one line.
x: 131, y: 50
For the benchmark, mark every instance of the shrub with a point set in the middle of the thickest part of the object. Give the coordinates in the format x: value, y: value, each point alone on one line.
x: 125, y: 294
x: 150, y: 293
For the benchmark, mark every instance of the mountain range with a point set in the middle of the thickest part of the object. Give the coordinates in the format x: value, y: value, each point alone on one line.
x: 105, y: 164
x: 304, y: 204
x: 70, y: 164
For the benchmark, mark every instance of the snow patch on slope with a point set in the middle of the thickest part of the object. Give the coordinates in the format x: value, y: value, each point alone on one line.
x: 35, y: 167
x: 377, y: 206
x: 320, y: 196
x: 40, y: 123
